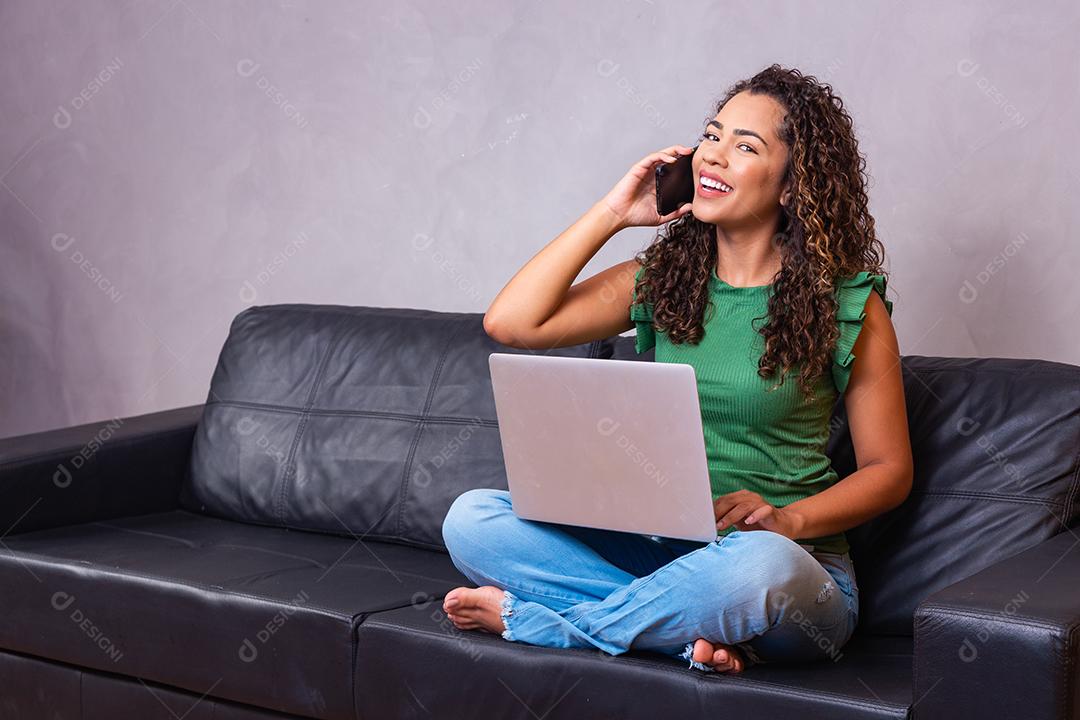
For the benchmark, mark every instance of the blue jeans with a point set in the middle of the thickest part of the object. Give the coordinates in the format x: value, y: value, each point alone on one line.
x: 568, y: 586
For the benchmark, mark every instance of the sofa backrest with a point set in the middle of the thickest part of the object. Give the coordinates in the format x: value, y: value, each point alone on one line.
x: 359, y: 421
x: 996, y: 444
x: 368, y: 422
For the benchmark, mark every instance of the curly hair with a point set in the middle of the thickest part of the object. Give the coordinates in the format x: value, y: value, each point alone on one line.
x: 825, y: 234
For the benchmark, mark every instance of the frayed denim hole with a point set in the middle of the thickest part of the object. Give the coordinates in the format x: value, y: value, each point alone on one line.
x: 825, y: 593
x: 688, y: 654
x: 506, y: 610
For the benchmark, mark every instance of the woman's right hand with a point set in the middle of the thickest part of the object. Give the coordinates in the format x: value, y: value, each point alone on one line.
x: 633, y: 199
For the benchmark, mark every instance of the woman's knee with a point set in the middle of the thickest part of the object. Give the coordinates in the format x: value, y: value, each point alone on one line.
x: 468, y: 510
x: 771, y: 562
x: 795, y: 577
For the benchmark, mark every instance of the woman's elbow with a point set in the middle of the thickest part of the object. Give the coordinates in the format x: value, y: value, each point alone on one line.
x: 501, y: 335
x: 903, y: 480
x: 489, y: 328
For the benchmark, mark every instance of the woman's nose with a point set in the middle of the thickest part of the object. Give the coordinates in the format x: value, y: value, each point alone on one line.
x: 714, y: 156
x: 715, y: 161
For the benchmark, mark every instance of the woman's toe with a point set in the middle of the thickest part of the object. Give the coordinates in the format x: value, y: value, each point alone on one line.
x: 703, y: 651
x: 725, y: 660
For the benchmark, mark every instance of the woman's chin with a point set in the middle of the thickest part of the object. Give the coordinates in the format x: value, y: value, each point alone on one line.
x: 701, y: 211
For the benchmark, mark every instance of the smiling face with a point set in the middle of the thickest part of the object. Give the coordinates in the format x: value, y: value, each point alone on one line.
x: 740, y: 148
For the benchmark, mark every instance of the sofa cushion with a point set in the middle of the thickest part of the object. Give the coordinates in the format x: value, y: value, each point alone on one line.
x: 996, y: 443
x: 258, y: 615
x: 482, y: 675
x: 350, y: 419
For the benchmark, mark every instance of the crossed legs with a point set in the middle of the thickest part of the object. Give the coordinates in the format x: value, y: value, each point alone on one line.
x: 566, y: 586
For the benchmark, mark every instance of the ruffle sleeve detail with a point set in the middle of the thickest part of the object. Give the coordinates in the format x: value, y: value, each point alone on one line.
x: 642, y: 315
x: 852, y: 295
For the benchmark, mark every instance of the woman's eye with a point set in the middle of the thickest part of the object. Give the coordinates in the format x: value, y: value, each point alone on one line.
x: 750, y: 147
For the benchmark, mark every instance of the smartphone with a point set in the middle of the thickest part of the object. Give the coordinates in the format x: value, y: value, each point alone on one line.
x: 675, y: 183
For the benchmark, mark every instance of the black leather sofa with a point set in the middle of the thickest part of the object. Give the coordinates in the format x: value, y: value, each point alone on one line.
x: 277, y: 551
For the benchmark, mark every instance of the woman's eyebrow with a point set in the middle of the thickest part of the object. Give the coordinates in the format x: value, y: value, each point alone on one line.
x: 738, y: 131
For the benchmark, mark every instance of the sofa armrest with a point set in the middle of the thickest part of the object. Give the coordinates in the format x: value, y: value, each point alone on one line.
x: 83, y: 473
x: 1003, y: 643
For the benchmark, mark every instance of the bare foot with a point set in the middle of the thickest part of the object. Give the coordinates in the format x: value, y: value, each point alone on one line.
x: 470, y: 608
x: 723, y: 658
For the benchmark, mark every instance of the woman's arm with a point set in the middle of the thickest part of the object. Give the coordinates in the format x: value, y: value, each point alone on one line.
x: 539, y: 309
x: 877, y: 416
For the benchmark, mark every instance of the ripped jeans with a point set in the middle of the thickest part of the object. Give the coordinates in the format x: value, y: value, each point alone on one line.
x: 568, y: 586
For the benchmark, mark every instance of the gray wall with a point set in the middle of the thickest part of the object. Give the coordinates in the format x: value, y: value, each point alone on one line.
x: 166, y: 164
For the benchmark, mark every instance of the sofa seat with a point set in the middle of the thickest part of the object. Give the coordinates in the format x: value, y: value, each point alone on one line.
x: 255, y: 614
x: 401, y: 650
x: 37, y: 689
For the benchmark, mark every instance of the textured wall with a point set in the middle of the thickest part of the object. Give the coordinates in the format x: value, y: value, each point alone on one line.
x: 164, y: 165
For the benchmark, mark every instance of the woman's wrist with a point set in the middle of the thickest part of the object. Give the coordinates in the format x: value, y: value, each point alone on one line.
x: 612, y: 221
x: 797, y: 523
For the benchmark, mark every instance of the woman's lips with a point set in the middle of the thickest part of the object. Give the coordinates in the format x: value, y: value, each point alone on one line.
x: 708, y: 192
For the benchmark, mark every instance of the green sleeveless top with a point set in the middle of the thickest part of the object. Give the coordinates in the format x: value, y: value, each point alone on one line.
x: 771, y: 443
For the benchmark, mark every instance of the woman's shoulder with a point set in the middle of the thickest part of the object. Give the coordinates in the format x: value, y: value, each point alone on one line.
x: 855, y: 288
x: 851, y: 294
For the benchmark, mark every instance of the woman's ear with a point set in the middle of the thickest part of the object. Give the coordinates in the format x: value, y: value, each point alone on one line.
x: 785, y: 196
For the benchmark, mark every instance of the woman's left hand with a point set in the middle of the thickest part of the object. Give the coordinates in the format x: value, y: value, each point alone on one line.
x: 747, y: 510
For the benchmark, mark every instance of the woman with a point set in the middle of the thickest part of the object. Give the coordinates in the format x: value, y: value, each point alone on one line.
x: 770, y: 285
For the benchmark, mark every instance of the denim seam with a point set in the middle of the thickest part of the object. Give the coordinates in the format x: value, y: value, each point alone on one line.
x: 520, y: 589
x: 652, y: 576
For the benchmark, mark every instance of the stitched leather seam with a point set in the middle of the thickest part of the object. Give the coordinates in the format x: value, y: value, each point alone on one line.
x: 404, y: 485
x: 60, y: 452
x: 1070, y: 497
x: 1067, y: 671
x: 51, y: 561
x: 347, y: 532
x: 411, y: 417
x: 915, y: 664
x: 290, y: 465
x: 998, y: 618
x: 972, y: 495
x: 354, y: 639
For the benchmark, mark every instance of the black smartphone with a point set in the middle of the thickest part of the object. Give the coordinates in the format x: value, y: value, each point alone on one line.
x: 675, y: 183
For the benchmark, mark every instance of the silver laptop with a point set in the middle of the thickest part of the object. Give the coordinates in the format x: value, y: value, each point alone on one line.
x: 610, y: 444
